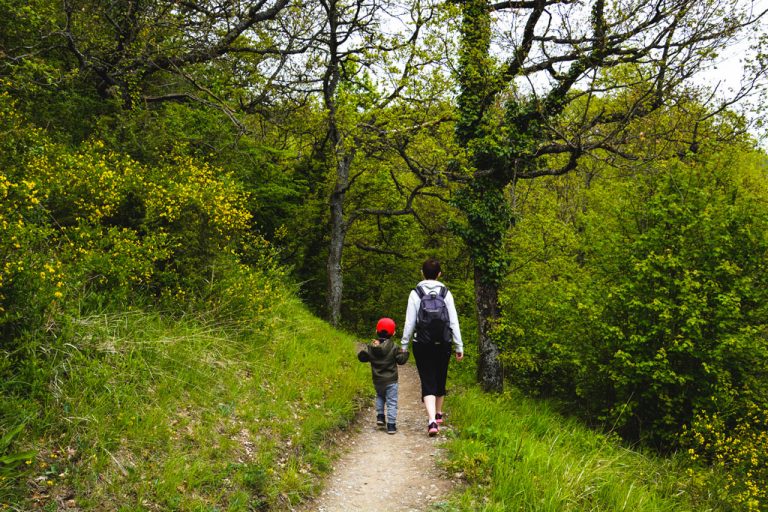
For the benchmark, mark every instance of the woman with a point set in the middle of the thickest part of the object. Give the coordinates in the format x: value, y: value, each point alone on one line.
x: 431, y: 313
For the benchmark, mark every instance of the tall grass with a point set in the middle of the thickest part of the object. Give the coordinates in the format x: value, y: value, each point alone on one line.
x: 136, y: 412
x: 519, y: 454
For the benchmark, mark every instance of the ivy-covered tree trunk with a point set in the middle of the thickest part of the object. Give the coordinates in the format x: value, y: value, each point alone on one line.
x: 481, y: 199
x: 489, y: 369
x: 488, y: 218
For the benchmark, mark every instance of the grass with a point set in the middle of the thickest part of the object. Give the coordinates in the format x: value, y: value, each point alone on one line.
x: 519, y: 454
x: 135, y: 412
x: 140, y: 413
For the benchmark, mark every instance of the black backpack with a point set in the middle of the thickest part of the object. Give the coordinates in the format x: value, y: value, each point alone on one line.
x: 433, y: 325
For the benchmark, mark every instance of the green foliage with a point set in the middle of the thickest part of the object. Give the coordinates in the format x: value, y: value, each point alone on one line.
x: 736, y: 454
x: 400, y: 243
x: 488, y: 217
x: 686, y: 322
x: 483, y: 199
x: 88, y: 226
x: 659, y: 312
x: 12, y: 463
x: 263, y: 164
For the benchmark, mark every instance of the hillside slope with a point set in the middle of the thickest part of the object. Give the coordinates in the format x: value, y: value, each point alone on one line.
x: 144, y: 413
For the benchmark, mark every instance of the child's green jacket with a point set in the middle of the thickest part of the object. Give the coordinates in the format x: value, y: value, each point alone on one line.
x: 384, y: 360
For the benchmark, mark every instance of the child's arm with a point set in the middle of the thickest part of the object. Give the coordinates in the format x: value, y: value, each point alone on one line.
x: 401, y: 356
x: 364, y: 356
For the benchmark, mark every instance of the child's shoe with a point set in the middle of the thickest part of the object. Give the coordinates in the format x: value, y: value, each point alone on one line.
x: 432, y: 429
x: 391, y: 428
x: 380, y: 420
x: 439, y: 418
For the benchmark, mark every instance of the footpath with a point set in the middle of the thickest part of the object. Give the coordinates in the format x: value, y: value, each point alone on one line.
x: 380, y: 472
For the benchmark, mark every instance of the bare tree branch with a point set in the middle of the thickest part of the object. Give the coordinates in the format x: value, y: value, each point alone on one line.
x: 379, y: 250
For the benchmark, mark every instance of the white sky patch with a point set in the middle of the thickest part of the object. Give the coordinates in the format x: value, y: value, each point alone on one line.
x: 727, y: 70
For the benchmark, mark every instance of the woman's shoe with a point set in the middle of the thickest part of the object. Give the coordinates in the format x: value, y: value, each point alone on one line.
x: 439, y: 418
x: 432, y: 429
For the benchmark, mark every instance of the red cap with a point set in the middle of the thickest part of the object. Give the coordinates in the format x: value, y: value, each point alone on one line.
x: 385, y: 325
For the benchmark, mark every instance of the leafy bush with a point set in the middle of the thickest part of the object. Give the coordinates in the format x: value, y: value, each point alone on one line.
x: 660, y: 311
x: 737, y: 453
x: 85, y: 228
x: 686, y: 299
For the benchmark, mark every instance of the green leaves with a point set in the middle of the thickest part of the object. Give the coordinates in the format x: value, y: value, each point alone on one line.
x: 661, y: 307
x: 488, y: 217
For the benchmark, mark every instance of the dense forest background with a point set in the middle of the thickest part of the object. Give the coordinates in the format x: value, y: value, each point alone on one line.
x: 600, y: 215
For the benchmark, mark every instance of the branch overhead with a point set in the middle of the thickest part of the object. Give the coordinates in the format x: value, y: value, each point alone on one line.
x: 568, y: 78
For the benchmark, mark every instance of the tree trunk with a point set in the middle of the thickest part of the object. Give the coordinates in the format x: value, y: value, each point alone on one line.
x: 490, y: 372
x: 336, y: 248
x: 343, y: 162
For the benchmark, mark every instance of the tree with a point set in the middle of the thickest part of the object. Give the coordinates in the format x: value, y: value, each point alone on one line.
x: 229, y: 55
x: 351, y: 42
x: 527, y: 102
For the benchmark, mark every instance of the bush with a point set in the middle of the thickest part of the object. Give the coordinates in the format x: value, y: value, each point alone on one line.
x: 685, y: 303
x: 736, y: 450
x: 661, y: 310
x: 87, y: 228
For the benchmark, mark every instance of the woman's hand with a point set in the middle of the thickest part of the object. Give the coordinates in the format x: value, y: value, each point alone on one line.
x: 459, y: 356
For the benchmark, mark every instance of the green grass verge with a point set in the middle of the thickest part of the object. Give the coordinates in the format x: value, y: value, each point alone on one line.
x: 136, y: 412
x: 519, y: 454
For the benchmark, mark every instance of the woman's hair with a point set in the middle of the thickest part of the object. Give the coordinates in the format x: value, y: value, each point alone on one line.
x: 431, y: 268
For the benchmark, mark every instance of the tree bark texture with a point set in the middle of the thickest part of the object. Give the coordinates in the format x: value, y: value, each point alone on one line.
x: 336, y: 203
x: 490, y: 372
x: 338, y: 235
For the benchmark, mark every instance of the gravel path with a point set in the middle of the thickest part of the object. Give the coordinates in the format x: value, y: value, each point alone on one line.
x: 382, y: 472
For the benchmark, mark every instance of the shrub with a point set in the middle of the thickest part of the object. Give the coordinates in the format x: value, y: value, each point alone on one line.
x: 685, y: 301
x: 662, y: 306
x: 737, y: 452
x: 86, y: 228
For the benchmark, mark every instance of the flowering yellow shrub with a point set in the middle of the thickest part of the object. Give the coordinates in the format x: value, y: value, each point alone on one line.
x: 86, y: 186
x: 90, y: 226
x: 738, y: 453
x: 30, y: 274
x: 186, y: 183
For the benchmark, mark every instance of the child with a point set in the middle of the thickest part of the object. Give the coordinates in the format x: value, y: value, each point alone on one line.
x: 384, y: 357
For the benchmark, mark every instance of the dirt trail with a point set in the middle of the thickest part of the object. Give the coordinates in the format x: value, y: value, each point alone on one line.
x: 382, y: 472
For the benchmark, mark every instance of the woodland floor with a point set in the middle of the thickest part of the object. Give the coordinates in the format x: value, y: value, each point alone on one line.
x: 381, y: 472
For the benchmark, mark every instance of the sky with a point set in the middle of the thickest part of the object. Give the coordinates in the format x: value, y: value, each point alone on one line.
x: 727, y: 71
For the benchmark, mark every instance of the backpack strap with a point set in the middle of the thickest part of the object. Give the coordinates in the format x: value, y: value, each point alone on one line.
x: 443, y: 291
